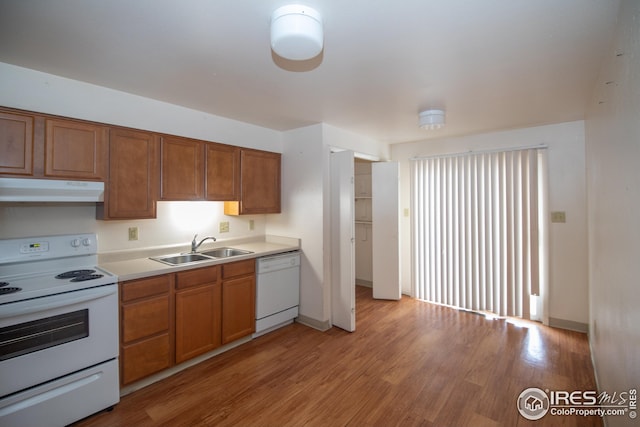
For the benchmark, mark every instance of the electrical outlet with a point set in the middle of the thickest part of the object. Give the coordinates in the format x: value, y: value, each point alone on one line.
x: 133, y: 233
x: 558, y: 217
x: 406, y: 211
x: 223, y: 227
x: 252, y: 225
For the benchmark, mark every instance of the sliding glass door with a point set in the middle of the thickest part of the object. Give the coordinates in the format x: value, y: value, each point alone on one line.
x: 478, y: 230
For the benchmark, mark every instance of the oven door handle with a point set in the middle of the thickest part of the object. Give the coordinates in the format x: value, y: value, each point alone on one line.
x: 55, y: 301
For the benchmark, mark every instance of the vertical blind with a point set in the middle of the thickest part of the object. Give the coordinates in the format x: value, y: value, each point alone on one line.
x: 476, y: 229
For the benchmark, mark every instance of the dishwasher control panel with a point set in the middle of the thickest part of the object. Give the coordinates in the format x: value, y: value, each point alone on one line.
x: 278, y: 262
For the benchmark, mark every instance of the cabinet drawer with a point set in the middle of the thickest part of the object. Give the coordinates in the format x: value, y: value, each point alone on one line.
x: 239, y: 268
x: 145, y: 358
x: 185, y: 279
x: 142, y: 288
x: 145, y: 318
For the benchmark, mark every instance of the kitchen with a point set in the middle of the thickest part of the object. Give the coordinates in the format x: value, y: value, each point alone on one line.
x: 60, y: 296
x: 306, y: 150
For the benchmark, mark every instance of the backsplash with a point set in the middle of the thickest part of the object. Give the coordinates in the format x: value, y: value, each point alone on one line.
x: 176, y: 223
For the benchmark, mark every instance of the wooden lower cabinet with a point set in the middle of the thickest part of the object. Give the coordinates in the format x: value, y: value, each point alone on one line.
x: 238, y: 300
x: 146, y: 327
x: 171, y: 318
x: 198, y: 312
x: 144, y: 358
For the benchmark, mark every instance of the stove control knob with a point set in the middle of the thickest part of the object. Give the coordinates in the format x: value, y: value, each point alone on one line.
x: 86, y: 242
x: 75, y: 243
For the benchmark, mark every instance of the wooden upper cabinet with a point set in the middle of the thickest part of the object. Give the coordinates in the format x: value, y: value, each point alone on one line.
x: 132, y: 188
x: 75, y: 150
x: 222, y: 172
x: 138, y: 167
x: 16, y: 144
x: 260, y: 184
x: 182, y: 169
x: 40, y: 146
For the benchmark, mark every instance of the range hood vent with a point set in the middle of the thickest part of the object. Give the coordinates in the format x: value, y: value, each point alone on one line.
x: 50, y: 190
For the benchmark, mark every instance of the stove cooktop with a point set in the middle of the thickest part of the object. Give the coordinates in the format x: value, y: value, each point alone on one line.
x: 34, y: 267
x: 27, y: 286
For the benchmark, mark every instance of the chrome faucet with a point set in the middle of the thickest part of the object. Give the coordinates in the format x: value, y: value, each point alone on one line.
x: 195, y: 246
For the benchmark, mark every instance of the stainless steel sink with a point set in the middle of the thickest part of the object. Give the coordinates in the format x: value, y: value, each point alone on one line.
x: 225, y: 252
x: 192, y: 258
x: 181, y: 259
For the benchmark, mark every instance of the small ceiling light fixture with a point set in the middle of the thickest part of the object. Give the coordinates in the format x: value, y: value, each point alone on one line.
x: 431, y: 119
x: 296, y: 32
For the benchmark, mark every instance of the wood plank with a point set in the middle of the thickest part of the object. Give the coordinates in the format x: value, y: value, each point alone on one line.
x: 408, y: 363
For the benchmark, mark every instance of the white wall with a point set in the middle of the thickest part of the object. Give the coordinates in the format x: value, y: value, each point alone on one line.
x: 177, y: 222
x: 339, y: 138
x: 568, y: 294
x: 46, y: 93
x: 302, y: 213
x: 613, y: 156
x: 306, y: 206
x: 35, y: 91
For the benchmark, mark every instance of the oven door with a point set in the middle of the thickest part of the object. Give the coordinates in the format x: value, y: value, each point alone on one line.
x: 47, y: 338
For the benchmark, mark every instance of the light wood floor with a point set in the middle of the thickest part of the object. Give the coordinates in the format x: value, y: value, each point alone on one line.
x: 408, y: 363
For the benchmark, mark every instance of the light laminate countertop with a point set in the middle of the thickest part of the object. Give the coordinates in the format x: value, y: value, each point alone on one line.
x: 136, y: 264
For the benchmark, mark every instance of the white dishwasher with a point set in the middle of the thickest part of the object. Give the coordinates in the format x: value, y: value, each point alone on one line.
x: 277, y: 291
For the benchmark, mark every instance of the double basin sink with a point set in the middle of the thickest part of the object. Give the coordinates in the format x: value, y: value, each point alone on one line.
x: 190, y: 258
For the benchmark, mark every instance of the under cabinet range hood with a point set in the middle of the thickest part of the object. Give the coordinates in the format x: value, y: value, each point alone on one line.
x: 50, y: 190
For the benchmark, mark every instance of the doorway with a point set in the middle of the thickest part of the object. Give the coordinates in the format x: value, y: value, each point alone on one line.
x: 373, y: 225
x: 363, y: 222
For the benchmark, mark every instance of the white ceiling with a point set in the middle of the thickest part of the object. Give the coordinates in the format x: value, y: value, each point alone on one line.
x: 492, y: 64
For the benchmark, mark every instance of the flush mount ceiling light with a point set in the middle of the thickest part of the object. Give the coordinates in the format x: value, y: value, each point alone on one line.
x: 296, y: 32
x: 431, y: 119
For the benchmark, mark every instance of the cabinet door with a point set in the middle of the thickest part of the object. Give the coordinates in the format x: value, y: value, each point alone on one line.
x: 198, y: 321
x: 222, y: 172
x: 182, y: 169
x: 16, y: 144
x: 144, y: 358
x: 238, y: 308
x: 260, y: 184
x: 75, y: 150
x: 132, y: 187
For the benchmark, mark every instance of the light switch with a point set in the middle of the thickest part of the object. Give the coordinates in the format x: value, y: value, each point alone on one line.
x: 224, y: 227
x: 558, y: 217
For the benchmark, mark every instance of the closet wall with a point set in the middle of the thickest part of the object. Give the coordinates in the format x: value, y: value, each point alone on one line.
x: 363, y: 224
